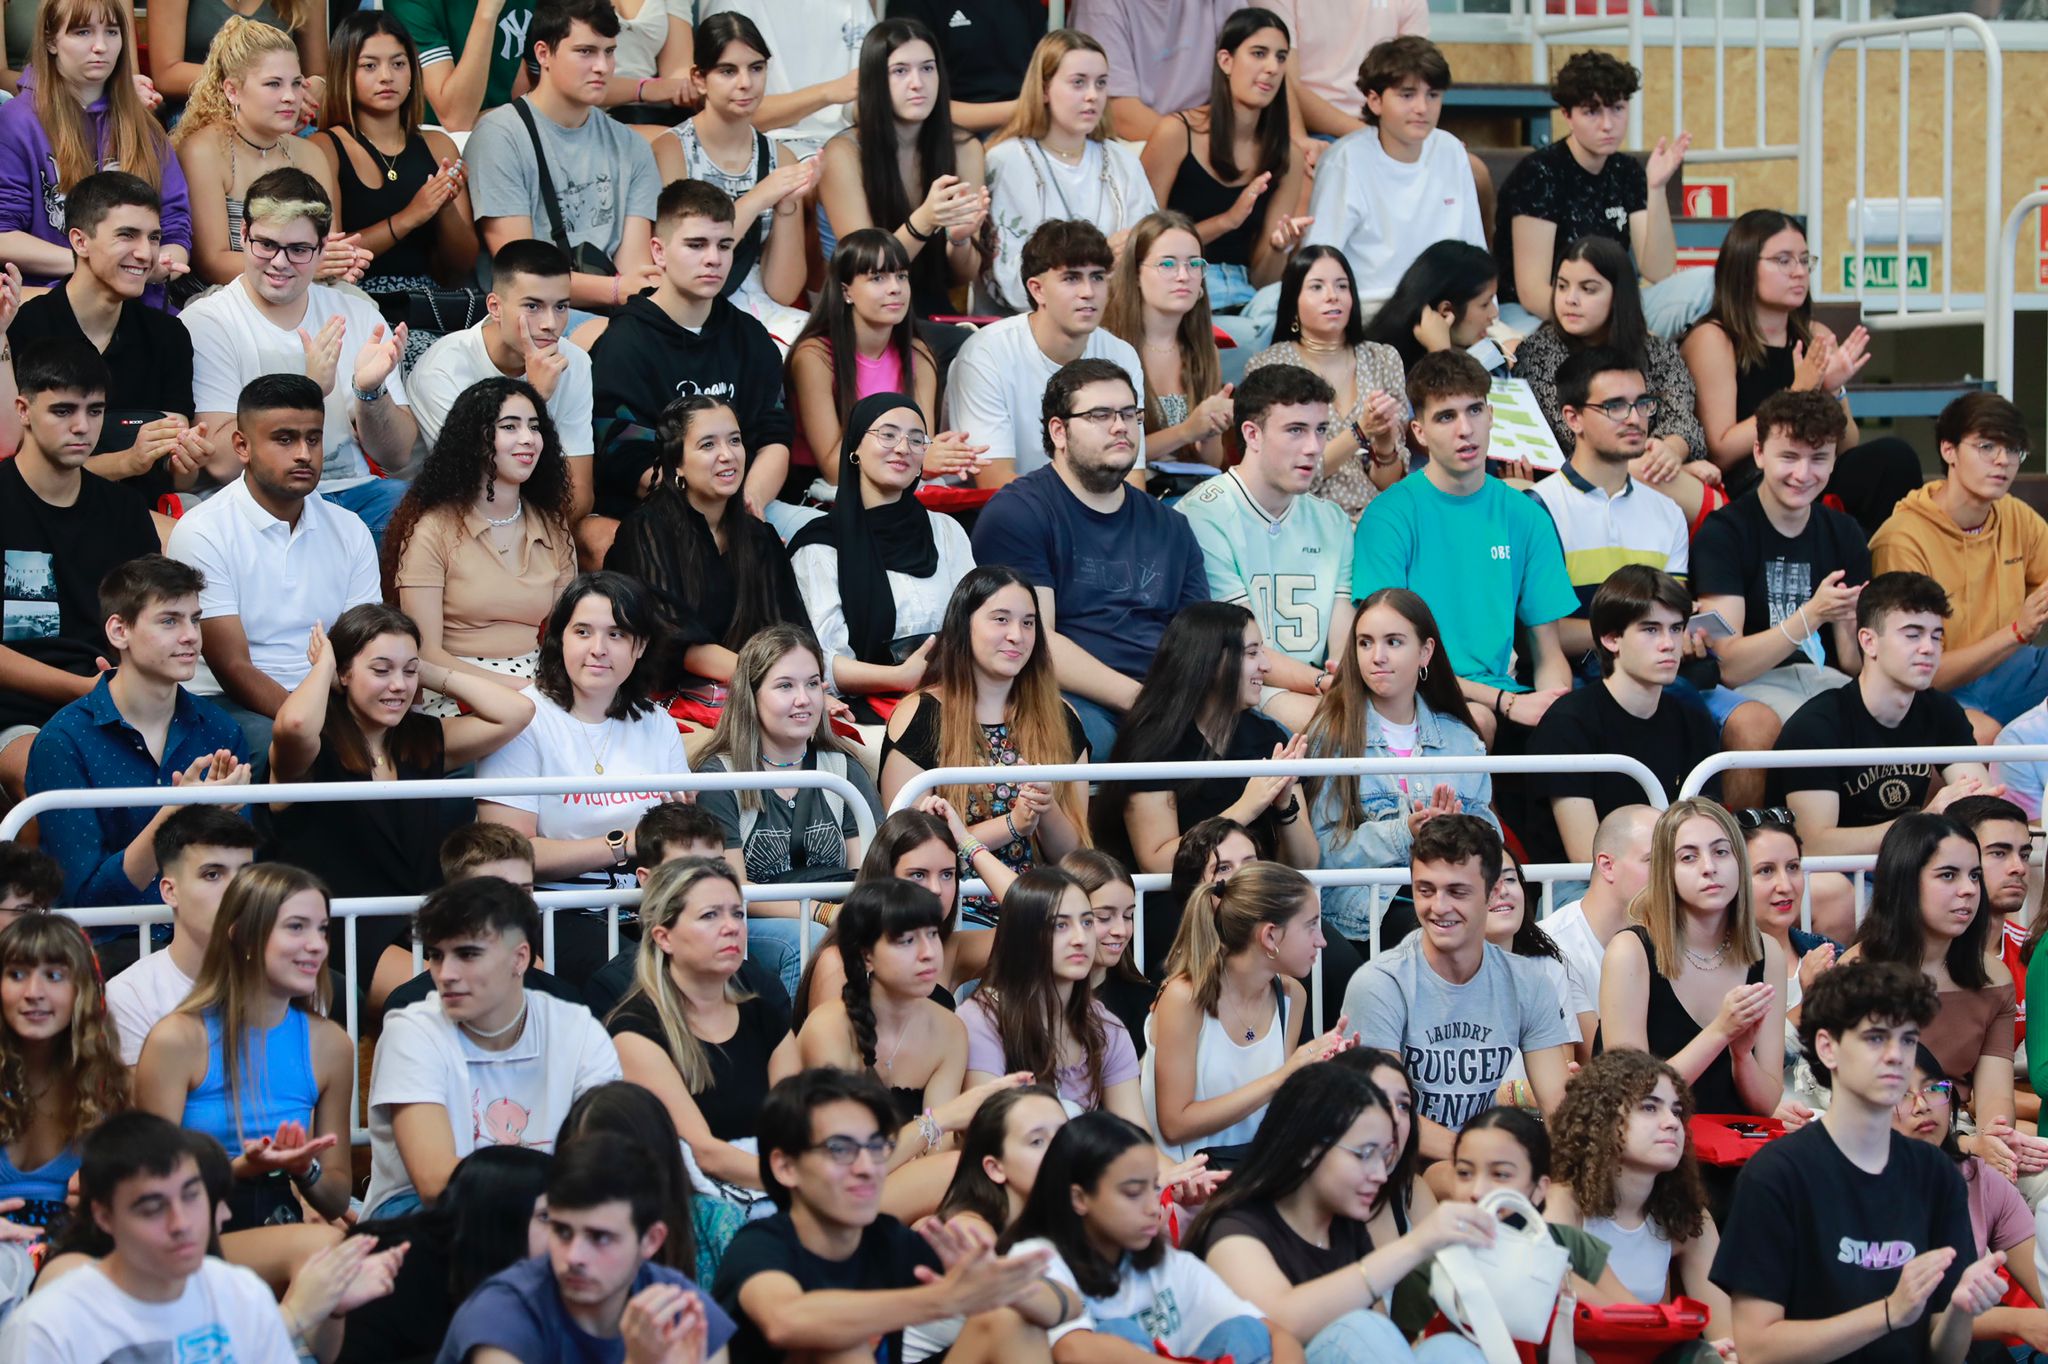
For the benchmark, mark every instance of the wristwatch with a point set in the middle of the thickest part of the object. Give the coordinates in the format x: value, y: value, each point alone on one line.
x: 362, y: 396
x: 311, y: 1177
x: 616, y: 841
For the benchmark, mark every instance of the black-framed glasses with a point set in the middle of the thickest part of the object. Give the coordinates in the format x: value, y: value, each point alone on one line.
x: 1617, y: 409
x: 1103, y: 416
x: 262, y: 248
x: 845, y: 1150
x: 1769, y: 814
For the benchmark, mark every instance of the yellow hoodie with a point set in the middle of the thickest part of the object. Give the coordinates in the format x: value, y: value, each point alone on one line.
x: 1988, y: 573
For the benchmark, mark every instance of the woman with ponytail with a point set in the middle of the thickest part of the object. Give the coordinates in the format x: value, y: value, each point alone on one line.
x: 886, y: 1024
x: 1036, y: 1012
x: 1227, y: 1030
x: 688, y: 1032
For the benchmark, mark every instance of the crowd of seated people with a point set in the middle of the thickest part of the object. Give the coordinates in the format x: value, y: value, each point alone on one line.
x: 639, y: 410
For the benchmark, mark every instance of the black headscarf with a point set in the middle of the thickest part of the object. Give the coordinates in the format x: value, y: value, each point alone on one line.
x: 872, y: 542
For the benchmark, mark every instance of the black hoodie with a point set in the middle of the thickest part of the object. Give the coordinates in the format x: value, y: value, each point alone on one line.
x: 645, y: 361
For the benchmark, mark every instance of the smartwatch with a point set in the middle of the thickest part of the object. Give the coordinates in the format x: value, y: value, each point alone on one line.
x: 616, y: 841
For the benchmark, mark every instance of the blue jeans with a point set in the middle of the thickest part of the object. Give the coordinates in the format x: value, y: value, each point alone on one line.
x: 1098, y: 722
x: 2011, y: 689
x: 373, y: 501
x: 1363, y: 1335
x: 772, y: 945
x: 1245, y: 1339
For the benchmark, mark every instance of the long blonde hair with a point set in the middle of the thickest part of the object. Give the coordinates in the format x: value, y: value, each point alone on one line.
x: 135, y: 143
x: 88, y: 1055
x: 1658, y: 908
x: 239, y: 45
x: 668, y: 888
x: 737, y: 739
x: 1031, y: 118
x: 1201, y: 368
x: 233, y: 979
x: 1222, y: 918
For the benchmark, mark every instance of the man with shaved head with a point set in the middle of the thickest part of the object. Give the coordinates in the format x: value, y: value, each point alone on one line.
x: 1621, y: 868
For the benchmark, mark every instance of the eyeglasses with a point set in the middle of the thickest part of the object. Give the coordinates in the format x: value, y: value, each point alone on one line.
x: 1373, y: 1153
x: 1993, y: 452
x: 1936, y: 1094
x: 262, y: 248
x: 890, y: 438
x: 1617, y: 409
x: 1789, y: 261
x: 1769, y: 814
x: 845, y: 1150
x: 1104, y: 416
x: 1174, y: 265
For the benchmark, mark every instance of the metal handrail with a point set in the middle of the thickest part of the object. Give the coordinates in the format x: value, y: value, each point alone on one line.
x: 1999, y: 289
x: 1936, y: 754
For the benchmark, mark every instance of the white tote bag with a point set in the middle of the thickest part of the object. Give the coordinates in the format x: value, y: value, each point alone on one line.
x: 1499, y: 1294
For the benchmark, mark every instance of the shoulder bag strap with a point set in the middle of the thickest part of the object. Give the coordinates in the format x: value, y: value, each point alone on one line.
x: 547, y: 182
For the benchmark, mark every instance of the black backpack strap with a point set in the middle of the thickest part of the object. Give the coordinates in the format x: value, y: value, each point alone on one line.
x: 547, y: 182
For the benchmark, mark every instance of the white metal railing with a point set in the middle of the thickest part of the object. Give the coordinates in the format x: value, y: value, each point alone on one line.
x: 1902, y: 310
x: 1932, y: 754
x: 1999, y: 291
x: 1543, y: 27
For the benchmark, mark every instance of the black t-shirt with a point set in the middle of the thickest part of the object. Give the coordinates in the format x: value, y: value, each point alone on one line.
x: 986, y: 44
x: 54, y: 560
x: 731, y: 1104
x: 888, y: 1258
x: 1300, y: 1260
x: 1815, y: 1234
x: 149, y: 357
x: 1875, y: 793
x: 406, y: 1325
x: 1739, y: 553
x: 1550, y: 184
x: 1673, y: 741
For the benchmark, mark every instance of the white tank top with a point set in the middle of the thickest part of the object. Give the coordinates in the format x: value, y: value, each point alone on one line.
x: 1640, y: 1257
x: 1224, y: 1063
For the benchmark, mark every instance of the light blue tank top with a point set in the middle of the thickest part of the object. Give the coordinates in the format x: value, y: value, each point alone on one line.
x: 278, y: 1084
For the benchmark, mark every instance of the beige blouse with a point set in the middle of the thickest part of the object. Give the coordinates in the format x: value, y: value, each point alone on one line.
x: 491, y: 606
x: 1375, y: 366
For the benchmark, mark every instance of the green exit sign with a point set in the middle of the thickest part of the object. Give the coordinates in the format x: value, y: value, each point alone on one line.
x: 1880, y: 269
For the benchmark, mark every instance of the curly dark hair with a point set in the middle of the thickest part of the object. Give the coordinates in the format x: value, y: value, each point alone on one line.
x: 1594, y: 78
x: 1590, y: 1126
x: 460, y: 466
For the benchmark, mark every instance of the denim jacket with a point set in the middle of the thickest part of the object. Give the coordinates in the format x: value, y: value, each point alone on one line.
x: 1382, y: 838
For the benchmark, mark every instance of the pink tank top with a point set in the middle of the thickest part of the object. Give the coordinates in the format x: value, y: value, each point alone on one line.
x: 884, y: 375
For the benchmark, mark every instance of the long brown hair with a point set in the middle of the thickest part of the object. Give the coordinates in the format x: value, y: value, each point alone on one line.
x: 338, y: 107
x: 1032, y: 118
x: 1274, y: 147
x: 662, y: 903
x: 1036, y: 715
x: 1337, y: 729
x: 233, y: 978
x: 135, y: 142
x: 416, y: 739
x: 869, y: 251
x: 1658, y: 908
x: 1591, y: 1125
x: 1019, y: 993
x: 1194, y: 340
x: 737, y: 739
x: 88, y: 1055
x: 1735, y: 293
x: 1222, y: 919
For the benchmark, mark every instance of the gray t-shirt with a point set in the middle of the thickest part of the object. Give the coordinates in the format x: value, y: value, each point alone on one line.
x: 604, y: 173
x: 1457, y: 1040
x: 786, y: 836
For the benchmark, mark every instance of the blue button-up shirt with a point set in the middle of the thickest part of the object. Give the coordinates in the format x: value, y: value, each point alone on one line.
x: 89, y: 744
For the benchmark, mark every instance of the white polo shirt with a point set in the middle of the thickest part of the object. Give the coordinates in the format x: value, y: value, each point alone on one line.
x: 460, y: 359
x: 1602, y: 533
x: 278, y: 579
x: 233, y: 343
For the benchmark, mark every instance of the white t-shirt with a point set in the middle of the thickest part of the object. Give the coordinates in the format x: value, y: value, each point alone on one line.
x: 459, y: 359
x: 1178, y: 1301
x: 233, y: 343
x: 996, y: 388
x: 518, y: 1096
x: 1564, y: 981
x: 277, y: 579
x: 141, y: 996
x: 1382, y: 213
x: 224, y: 1316
x: 920, y: 602
x: 557, y: 744
x: 1568, y: 928
x: 1028, y: 189
x: 814, y: 42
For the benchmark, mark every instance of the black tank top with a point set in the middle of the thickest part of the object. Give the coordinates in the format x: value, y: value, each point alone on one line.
x: 1201, y: 195
x: 363, y: 206
x: 1672, y: 1027
x: 1773, y: 374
